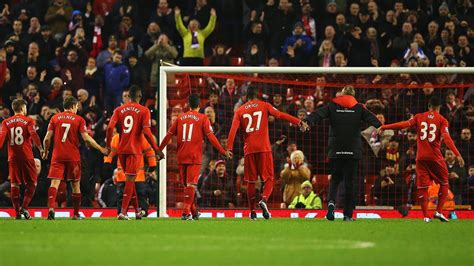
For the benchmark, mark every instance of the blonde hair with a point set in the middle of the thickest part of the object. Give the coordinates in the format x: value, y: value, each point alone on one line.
x: 348, y: 90
x: 296, y: 153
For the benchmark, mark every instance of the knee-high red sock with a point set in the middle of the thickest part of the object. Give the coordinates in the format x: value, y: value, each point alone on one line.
x: 134, y: 200
x: 15, y: 196
x: 76, y: 202
x: 29, y: 192
x: 194, y: 210
x: 267, y: 189
x: 52, y: 191
x: 251, y: 195
x: 442, y: 196
x: 423, y: 199
x: 188, y: 199
x: 127, y: 195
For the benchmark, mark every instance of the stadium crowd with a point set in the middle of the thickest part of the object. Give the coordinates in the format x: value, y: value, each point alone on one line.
x: 95, y: 50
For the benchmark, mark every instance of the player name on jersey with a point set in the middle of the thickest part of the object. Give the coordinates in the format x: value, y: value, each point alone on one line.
x: 15, y: 120
x: 68, y: 117
x: 190, y: 116
x: 131, y: 109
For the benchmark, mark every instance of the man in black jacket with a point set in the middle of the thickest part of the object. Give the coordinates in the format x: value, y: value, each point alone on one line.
x: 345, y: 146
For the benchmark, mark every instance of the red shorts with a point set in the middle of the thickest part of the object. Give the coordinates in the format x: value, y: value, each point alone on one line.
x: 428, y: 171
x: 131, y: 163
x: 22, y: 171
x: 258, y: 164
x: 65, y: 170
x: 189, y: 173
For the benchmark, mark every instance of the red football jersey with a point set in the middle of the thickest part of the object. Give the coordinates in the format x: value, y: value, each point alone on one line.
x: 430, y: 126
x: 131, y: 118
x: 190, y: 129
x: 18, y: 130
x: 252, y: 118
x: 67, y: 128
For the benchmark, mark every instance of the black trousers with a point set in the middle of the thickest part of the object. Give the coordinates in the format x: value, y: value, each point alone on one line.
x: 344, y: 169
x: 141, y: 193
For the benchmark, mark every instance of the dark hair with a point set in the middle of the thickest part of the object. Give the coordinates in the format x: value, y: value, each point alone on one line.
x: 194, y: 100
x: 69, y: 102
x: 117, y: 51
x: 135, y: 93
x: 252, y: 92
x: 434, y: 102
x: 17, y: 105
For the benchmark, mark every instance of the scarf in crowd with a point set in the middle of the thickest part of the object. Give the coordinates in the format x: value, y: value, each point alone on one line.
x: 90, y: 72
x: 96, y: 42
x: 194, y: 40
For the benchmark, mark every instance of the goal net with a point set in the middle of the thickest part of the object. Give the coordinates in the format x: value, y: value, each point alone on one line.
x: 386, y: 172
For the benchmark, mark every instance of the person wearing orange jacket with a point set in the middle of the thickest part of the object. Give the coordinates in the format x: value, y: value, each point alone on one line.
x: 140, y: 183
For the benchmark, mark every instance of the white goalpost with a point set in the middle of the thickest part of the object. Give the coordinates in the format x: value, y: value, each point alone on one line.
x: 162, y: 93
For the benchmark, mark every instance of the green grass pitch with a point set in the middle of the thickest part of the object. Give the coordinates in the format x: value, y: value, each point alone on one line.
x: 236, y: 242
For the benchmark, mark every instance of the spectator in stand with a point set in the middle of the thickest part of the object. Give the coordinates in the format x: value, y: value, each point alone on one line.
x: 162, y: 49
x: 164, y: 17
x: 74, y: 62
x: 194, y: 38
x: 307, y: 199
x: 466, y: 147
x: 326, y: 54
x: 229, y: 96
x: 309, y: 23
x: 464, y: 51
x: 298, y: 47
x: 58, y: 16
x: 220, y: 56
x: 153, y: 32
x: 353, y: 16
x: 401, y: 42
x: 31, y: 77
x: 457, y: 176
x: 280, y: 20
x: 389, y: 186
x: 340, y: 60
x: 254, y: 56
x: 84, y: 101
x: 46, y: 44
x: 138, y: 74
x: 92, y: 80
x: 107, y: 196
x: 256, y: 32
x: 18, y: 35
x: 105, y: 56
x: 217, y: 191
x: 116, y: 79
x: 33, y: 58
x: 293, y: 175
x: 208, y: 151
x: 359, y: 54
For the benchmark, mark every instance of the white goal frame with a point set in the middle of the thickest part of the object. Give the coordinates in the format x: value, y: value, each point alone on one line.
x: 162, y: 93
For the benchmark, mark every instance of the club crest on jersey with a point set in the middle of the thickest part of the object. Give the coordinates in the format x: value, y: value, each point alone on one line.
x: 431, y: 116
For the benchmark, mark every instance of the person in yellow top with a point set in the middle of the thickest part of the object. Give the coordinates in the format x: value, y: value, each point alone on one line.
x: 307, y: 199
x: 194, y: 38
x: 140, y: 198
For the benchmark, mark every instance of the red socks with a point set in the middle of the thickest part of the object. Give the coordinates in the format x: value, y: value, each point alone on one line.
x: 134, y: 199
x: 15, y: 196
x: 76, y: 202
x: 188, y: 199
x: 423, y: 199
x: 29, y: 192
x: 251, y: 195
x: 442, y: 196
x: 52, y: 197
x: 127, y: 195
x: 267, y: 189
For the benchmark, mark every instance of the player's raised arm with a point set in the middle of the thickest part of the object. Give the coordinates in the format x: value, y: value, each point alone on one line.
x: 399, y: 125
x: 233, y: 131
x: 450, y: 143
